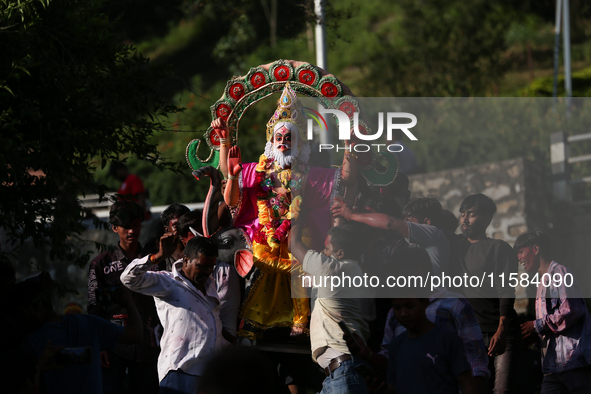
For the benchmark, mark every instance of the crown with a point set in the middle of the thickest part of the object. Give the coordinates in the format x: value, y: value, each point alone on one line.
x: 289, y: 110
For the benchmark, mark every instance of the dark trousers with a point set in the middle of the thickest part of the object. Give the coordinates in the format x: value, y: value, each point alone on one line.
x: 127, y: 376
x: 576, y: 381
x: 505, y: 368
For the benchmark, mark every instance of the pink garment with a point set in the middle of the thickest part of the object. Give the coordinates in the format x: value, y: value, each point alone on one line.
x: 317, y: 200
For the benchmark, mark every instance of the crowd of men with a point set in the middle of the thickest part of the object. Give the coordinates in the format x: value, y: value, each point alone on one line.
x: 164, y: 317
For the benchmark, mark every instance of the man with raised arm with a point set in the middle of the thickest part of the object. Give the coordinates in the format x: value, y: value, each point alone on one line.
x: 418, y: 227
x: 188, y: 306
x: 333, y: 305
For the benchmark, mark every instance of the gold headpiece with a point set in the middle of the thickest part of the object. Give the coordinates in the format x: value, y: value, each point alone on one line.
x: 289, y: 110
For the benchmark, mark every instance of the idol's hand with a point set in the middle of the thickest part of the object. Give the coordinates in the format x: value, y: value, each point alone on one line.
x: 220, y: 128
x: 234, y: 161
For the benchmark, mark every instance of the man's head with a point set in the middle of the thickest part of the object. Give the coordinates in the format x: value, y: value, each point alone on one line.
x: 118, y: 170
x: 342, y: 243
x: 190, y: 220
x: 477, y: 212
x: 199, y: 259
x: 423, y: 210
x: 31, y: 301
x: 410, y: 312
x: 171, y: 215
x: 126, y: 218
x: 372, y: 200
x: 531, y: 247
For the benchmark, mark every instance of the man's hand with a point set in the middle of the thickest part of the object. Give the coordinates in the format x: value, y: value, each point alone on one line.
x: 498, y: 343
x: 105, y: 359
x: 296, y: 247
x: 340, y: 208
x: 529, y: 333
x: 220, y: 128
x: 168, y: 245
x: 234, y: 161
x: 357, y: 346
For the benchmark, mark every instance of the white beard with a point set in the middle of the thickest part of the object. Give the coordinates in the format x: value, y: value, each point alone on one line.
x: 287, y: 158
x: 283, y: 159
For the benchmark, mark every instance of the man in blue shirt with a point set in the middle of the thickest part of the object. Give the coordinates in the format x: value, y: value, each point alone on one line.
x: 73, y: 334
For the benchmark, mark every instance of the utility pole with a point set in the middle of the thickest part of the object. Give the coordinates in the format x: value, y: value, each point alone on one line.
x: 556, y: 51
x: 321, y: 62
x: 568, y: 83
x: 562, y: 14
x: 320, y: 34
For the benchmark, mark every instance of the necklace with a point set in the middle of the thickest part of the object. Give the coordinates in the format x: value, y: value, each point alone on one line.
x: 275, y: 211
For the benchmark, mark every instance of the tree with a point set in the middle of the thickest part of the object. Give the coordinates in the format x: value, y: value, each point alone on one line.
x: 442, y: 48
x: 69, y: 92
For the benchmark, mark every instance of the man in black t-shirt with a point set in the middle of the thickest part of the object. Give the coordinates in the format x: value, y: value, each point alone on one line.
x: 136, y: 364
x: 491, y: 259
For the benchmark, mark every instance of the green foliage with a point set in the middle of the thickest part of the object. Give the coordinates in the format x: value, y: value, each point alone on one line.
x: 69, y: 92
x: 461, y: 132
x: 376, y: 48
x: 543, y: 87
x: 530, y: 29
x: 445, y: 48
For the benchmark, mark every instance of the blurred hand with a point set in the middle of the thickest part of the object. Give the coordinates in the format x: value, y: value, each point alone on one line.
x: 497, y: 344
x: 357, y: 346
x: 168, y: 244
x: 529, y: 333
x: 340, y: 208
x: 105, y: 359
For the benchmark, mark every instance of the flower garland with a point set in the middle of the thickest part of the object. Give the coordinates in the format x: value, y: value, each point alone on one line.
x: 274, y: 217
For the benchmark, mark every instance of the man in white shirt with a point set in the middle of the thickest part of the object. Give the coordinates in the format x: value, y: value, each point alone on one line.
x: 188, y: 307
x: 225, y: 276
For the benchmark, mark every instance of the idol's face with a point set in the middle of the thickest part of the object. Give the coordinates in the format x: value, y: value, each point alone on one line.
x: 282, y: 139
